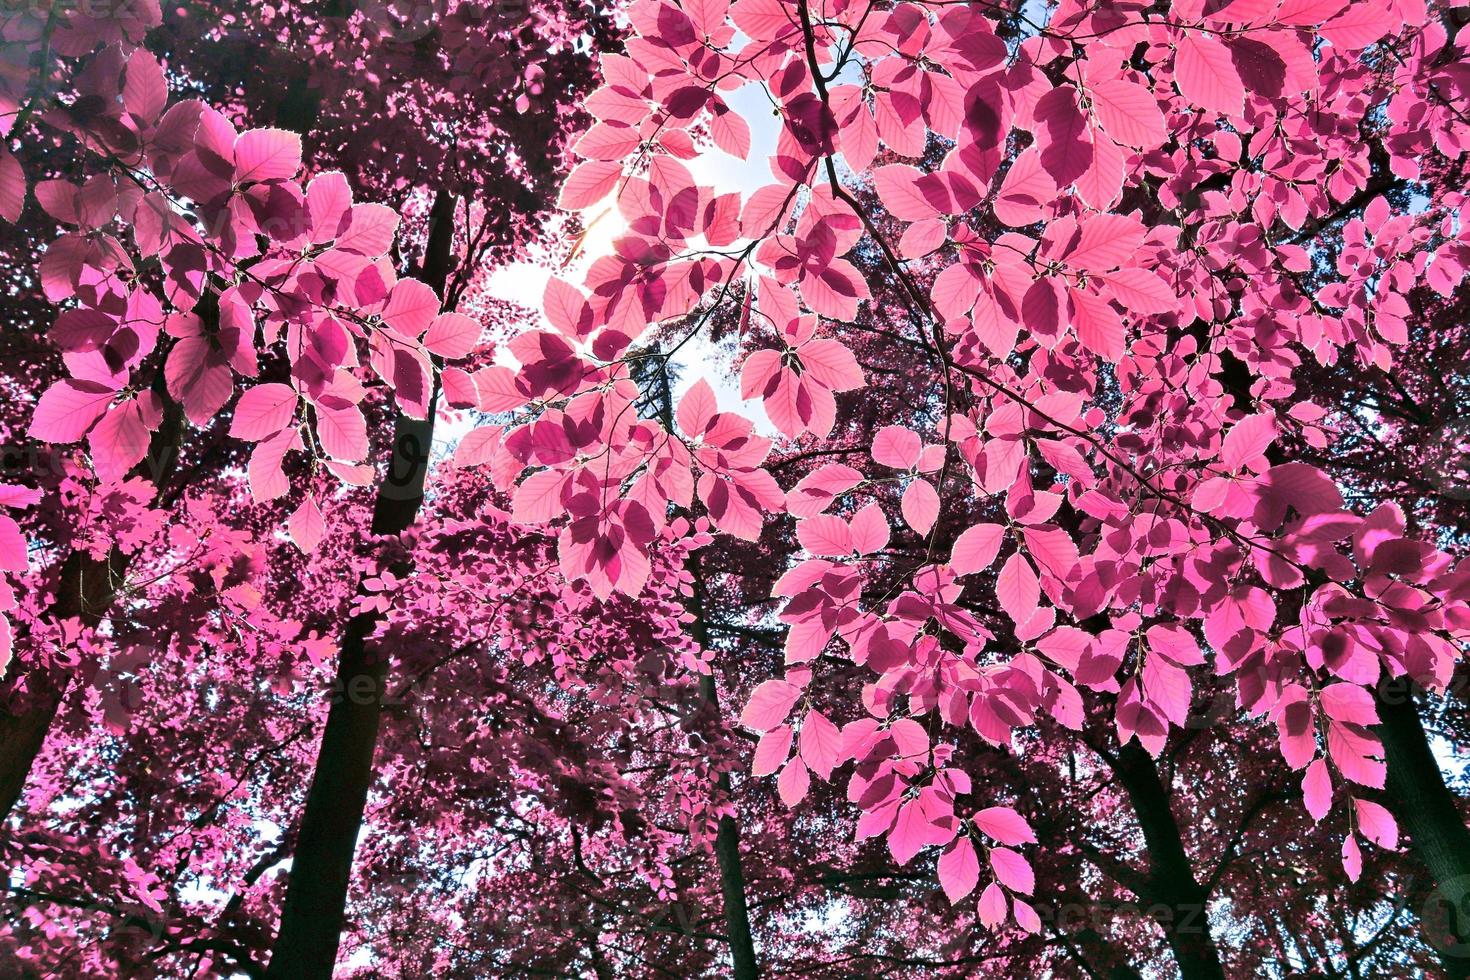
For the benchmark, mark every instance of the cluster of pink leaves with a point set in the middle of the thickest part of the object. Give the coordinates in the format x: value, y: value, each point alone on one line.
x: 200, y: 261
x: 498, y: 662
x: 185, y: 202
x: 1069, y: 210
x: 1146, y: 533
x: 14, y: 560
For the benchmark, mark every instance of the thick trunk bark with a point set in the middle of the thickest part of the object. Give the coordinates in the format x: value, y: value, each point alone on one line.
x: 727, y: 837
x: 316, y: 895
x: 311, y: 921
x: 1428, y: 812
x: 744, y: 964
x: 732, y: 881
x: 1176, y: 899
x: 23, y: 734
x: 85, y: 591
x: 1422, y: 803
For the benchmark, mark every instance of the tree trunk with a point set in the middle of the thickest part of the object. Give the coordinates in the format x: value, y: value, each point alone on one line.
x: 316, y: 894
x: 727, y: 837
x: 1430, y: 815
x: 732, y: 877
x: 1176, y: 899
x: 85, y: 591
x: 1423, y: 804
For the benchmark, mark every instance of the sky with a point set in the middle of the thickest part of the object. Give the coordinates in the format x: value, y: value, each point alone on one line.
x: 524, y: 282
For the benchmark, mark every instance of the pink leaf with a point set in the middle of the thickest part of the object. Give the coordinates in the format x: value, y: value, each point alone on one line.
x: 1308, y: 13
x: 1317, y: 789
x: 896, y: 187
x: 495, y: 386
x: 959, y: 869
x: 897, y: 447
x: 589, y: 183
x: 68, y: 409
x: 566, y: 309
x: 793, y: 782
x: 118, y: 442
x: 538, y: 499
x: 697, y: 409
x: 817, y: 490
x: 329, y: 204
x: 478, y: 446
x: 1003, y: 824
x: 306, y: 526
x: 910, y: 833
x: 459, y: 388
x: 1097, y: 326
x: 267, y: 154
x: 267, y: 479
x: 12, y: 187
x: 356, y: 474
x: 920, y: 505
x: 263, y: 411
x: 772, y: 751
x: 1052, y: 549
x: 342, y: 431
x: 769, y: 705
x: 821, y: 744
x: 1140, y: 291
x: 1206, y: 75
x: 976, y: 548
x: 869, y: 530
x: 1012, y: 870
x: 452, y: 335
x: 1349, y: 703
x: 370, y: 230
x: 198, y: 377
x: 1360, y: 25
x: 1017, y: 588
x: 825, y: 536
x: 731, y: 133
x: 145, y: 92
x: 1247, y: 441
x: 13, y: 556
x: 1352, y: 858
x: 1128, y: 112
x: 1063, y: 135
x: 1377, y: 824
x: 1168, y: 688
x: 1026, y: 917
x: 1105, y: 241
x: 1026, y: 192
x: 411, y: 307
x: 831, y: 364
x: 992, y: 907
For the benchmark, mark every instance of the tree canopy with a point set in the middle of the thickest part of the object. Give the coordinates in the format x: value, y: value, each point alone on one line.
x: 743, y: 489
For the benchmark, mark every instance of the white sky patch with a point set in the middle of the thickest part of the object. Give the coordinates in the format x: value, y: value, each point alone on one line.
x: 524, y: 283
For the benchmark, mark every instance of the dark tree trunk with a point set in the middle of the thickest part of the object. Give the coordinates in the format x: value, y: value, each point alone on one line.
x: 316, y: 895
x: 727, y: 837
x: 1428, y: 812
x: 732, y: 880
x: 1176, y: 899
x: 85, y: 590
x: 1422, y: 803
